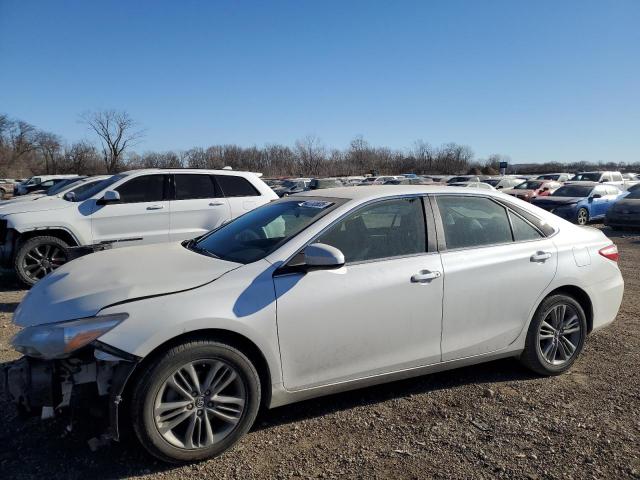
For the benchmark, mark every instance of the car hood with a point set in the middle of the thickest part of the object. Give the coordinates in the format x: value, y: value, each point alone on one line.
x: 24, y: 198
x: 31, y: 205
x: 84, y: 286
x: 551, y: 200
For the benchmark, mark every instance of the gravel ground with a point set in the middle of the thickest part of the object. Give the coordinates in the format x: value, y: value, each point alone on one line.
x: 487, y: 421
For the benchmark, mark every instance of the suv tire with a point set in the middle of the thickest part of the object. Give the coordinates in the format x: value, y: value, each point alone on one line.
x: 38, y: 256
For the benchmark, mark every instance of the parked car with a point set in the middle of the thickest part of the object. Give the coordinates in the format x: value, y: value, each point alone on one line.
x: 77, y: 186
x: 186, y: 341
x: 39, y: 182
x: 500, y: 183
x: 471, y: 184
x: 609, y: 178
x: 533, y: 188
x: 464, y: 178
x: 6, y: 186
x: 625, y: 212
x: 291, y: 186
x: 322, y: 183
x: 410, y: 181
x: 378, y: 180
x: 558, y: 177
x: 140, y: 206
x: 580, y: 202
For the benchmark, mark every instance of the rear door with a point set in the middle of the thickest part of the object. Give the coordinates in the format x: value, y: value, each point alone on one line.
x: 198, y: 206
x: 599, y: 206
x: 141, y: 216
x: 240, y: 193
x: 495, y: 264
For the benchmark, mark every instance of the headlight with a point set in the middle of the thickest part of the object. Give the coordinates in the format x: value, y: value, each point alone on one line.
x: 57, y: 340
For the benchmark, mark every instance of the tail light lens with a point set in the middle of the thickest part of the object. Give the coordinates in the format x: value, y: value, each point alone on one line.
x: 610, y: 252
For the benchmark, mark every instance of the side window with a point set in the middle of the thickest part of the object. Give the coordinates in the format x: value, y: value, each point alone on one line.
x: 606, y: 177
x: 522, y: 230
x: 600, y: 190
x: 235, y: 186
x: 389, y: 228
x: 611, y: 190
x: 192, y: 186
x: 473, y: 221
x: 147, y: 188
x: 617, y: 177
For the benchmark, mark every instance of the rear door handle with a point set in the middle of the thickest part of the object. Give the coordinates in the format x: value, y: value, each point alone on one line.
x: 216, y: 204
x: 540, y: 257
x: 155, y: 207
x: 425, y: 276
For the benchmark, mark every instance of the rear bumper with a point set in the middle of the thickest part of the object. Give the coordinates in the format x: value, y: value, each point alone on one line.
x: 606, y: 298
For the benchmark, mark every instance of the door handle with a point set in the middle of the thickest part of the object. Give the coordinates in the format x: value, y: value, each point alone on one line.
x: 540, y: 257
x: 425, y: 276
x: 155, y: 207
x: 216, y: 204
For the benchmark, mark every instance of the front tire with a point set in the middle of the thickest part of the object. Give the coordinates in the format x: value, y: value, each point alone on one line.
x: 195, y: 401
x: 556, y: 336
x: 39, y: 256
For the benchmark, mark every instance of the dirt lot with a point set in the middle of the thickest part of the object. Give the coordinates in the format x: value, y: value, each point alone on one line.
x: 487, y: 421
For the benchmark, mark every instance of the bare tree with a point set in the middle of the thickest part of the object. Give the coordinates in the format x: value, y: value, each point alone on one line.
x: 117, y: 132
x: 310, y: 155
x: 49, y: 145
x: 81, y: 158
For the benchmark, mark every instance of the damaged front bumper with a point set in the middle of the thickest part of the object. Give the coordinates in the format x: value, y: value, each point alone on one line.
x: 46, y: 388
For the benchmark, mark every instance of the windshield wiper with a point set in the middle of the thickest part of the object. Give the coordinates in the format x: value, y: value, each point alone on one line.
x: 191, y: 245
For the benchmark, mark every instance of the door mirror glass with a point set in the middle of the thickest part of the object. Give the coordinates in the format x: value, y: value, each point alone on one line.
x: 320, y: 255
x: 110, y: 196
x: 70, y: 196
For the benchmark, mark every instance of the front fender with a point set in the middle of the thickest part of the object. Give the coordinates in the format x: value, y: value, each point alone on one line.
x: 241, y: 301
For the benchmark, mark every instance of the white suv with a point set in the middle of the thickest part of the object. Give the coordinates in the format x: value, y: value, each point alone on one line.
x: 135, y: 207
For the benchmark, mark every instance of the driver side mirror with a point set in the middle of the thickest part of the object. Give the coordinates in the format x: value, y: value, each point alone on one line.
x: 110, y: 196
x: 596, y: 195
x: 321, y: 255
x: 70, y: 196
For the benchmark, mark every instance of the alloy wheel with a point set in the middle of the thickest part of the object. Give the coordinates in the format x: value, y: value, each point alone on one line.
x: 43, y: 259
x: 583, y: 217
x: 560, y: 334
x: 200, y: 404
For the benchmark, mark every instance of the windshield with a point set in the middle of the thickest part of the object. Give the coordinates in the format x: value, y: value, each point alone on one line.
x: 259, y: 232
x: 530, y: 185
x: 587, y: 177
x: 98, y: 187
x: 548, y: 177
x: 64, y: 185
x: 573, y: 191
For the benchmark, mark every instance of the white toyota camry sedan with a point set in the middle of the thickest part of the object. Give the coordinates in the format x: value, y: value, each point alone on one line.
x: 311, y: 294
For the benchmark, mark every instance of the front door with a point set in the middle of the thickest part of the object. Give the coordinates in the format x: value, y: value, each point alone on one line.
x: 141, y: 216
x: 379, y: 313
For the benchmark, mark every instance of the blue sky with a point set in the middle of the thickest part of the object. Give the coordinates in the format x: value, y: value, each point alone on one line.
x: 536, y: 80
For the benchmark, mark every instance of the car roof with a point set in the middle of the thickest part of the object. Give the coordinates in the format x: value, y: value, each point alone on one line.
x: 143, y: 171
x: 380, y: 191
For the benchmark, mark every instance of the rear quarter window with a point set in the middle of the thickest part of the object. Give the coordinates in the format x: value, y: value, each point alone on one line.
x: 236, y: 186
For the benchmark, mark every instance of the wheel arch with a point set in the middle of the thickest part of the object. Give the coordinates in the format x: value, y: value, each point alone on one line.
x: 242, y: 343
x: 580, y: 296
x: 58, y: 232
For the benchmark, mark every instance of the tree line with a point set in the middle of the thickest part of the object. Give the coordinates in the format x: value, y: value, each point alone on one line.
x: 26, y: 150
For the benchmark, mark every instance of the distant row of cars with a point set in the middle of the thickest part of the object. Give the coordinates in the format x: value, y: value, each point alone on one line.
x: 580, y: 198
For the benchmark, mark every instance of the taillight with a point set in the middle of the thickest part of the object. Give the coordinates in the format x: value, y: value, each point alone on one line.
x: 610, y: 252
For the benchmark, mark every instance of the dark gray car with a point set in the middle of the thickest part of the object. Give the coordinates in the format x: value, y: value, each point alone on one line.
x: 625, y: 212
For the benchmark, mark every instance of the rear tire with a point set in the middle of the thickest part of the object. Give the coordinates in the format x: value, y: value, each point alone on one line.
x: 212, y: 419
x: 556, y: 336
x: 39, y: 256
x: 582, y: 216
